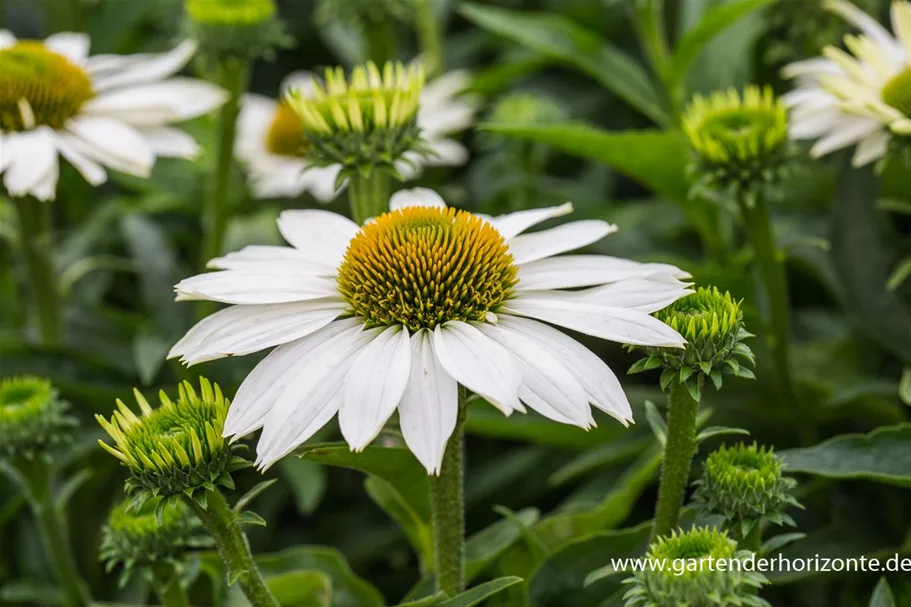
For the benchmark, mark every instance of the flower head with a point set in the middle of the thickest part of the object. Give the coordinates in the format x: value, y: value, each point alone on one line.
x: 177, y: 448
x: 739, y: 139
x: 108, y: 110
x: 395, y: 314
x: 745, y: 484
x: 149, y: 537
x: 32, y: 417
x: 712, y: 324
x: 862, y: 96
x: 699, y: 582
x: 235, y: 28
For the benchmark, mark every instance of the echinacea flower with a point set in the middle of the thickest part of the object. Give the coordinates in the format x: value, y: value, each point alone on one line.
x: 103, y: 111
x: 395, y: 314
x: 862, y: 97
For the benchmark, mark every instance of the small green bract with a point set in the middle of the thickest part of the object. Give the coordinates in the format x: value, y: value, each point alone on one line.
x: 32, y: 417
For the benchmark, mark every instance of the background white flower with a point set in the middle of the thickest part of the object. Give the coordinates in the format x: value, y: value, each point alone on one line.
x: 859, y: 98
x: 102, y: 111
x: 395, y: 314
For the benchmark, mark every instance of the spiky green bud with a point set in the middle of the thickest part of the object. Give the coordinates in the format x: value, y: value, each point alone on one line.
x: 32, y: 417
x: 712, y: 325
x: 365, y: 122
x: 247, y: 29
x: 691, y: 576
x: 745, y: 484
x: 139, y: 541
x: 177, y: 448
x: 740, y: 141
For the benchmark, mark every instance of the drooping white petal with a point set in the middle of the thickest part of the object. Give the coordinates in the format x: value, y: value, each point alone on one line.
x: 867, y: 25
x: 430, y: 404
x: 114, y: 71
x: 437, y: 121
x: 170, y: 142
x: 244, y: 287
x: 444, y: 153
x: 513, y: 224
x: 614, y: 324
x: 260, y: 258
x: 374, y: 386
x: 547, y: 243
x: 417, y: 197
x: 93, y: 172
x: 241, y: 330
x: 259, y: 391
x: 592, y: 373
x: 7, y: 144
x: 158, y: 103
x: 324, y: 234
x: 72, y: 45
x: 320, y: 181
x: 572, y: 271
x: 849, y: 131
x: 547, y: 386
x: 478, y: 363
x: 34, y: 163
x: 113, y: 144
x: 440, y: 90
x: 811, y: 68
x: 635, y: 294
x: 873, y: 147
x: 7, y: 39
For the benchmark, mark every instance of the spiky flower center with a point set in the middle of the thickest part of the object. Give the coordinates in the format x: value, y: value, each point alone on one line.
x: 39, y: 87
x: 31, y: 416
x: 422, y: 266
x: 704, y: 315
x: 285, y: 136
x: 695, y: 544
x: 230, y: 12
x: 897, y: 92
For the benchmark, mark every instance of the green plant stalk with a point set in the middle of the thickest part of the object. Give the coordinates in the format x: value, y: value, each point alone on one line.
x: 447, y: 500
x: 36, y: 477
x: 166, y: 582
x: 379, y: 41
x: 649, y: 19
x: 224, y: 527
x: 678, y: 457
x: 368, y: 196
x: 233, y: 75
x: 430, y: 37
x: 35, y: 233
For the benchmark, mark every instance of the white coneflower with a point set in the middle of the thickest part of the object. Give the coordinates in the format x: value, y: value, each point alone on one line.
x: 103, y: 111
x: 862, y: 97
x: 394, y: 314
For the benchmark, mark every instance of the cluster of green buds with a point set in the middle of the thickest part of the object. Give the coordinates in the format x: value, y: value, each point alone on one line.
x: 366, y: 122
x: 740, y: 141
x: 33, y: 418
x: 175, y: 449
x: 243, y: 29
x: 147, y: 539
x: 746, y: 485
x: 712, y: 325
x: 692, y: 577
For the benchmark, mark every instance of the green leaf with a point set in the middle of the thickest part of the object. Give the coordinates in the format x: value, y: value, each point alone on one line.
x: 149, y: 351
x: 882, y: 595
x: 306, y: 480
x: 418, y: 531
x: 720, y: 431
x: 899, y: 274
x: 656, y: 159
x: 478, y: 594
x: 252, y: 494
x: 776, y: 543
x: 302, y: 589
x: 883, y: 455
x: 430, y: 601
x: 656, y: 422
x: 904, y: 386
x: 559, y: 37
x: 601, y: 457
x: 395, y: 465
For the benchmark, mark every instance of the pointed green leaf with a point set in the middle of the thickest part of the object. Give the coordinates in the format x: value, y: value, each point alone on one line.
x: 478, y: 594
x: 252, y: 494
x: 302, y: 589
x: 656, y: 422
x: 882, y: 595
x: 776, y: 543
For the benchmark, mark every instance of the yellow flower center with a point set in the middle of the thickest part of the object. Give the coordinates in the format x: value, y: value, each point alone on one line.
x: 286, y: 133
x: 897, y: 92
x: 422, y: 266
x: 39, y: 87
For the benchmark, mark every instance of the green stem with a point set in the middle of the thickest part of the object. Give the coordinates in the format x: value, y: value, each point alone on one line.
x: 430, y: 37
x: 35, y: 233
x: 170, y: 591
x: 35, y: 475
x: 368, y: 196
x: 447, y: 500
x: 379, y: 41
x: 678, y: 457
x: 222, y: 523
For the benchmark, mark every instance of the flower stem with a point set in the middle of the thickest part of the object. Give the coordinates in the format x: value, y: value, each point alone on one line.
x: 35, y: 475
x: 233, y: 76
x: 35, y: 230
x: 166, y: 582
x: 222, y: 523
x: 447, y: 500
x: 429, y: 35
x: 368, y: 196
x: 678, y: 456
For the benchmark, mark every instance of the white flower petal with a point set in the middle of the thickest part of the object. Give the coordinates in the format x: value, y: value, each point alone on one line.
x: 158, y: 103
x: 871, y: 148
x: 444, y: 153
x: 547, y: 386
x: 811, y: 68
x: 847, y: 132
x: 437, y: 121
x: 113, y: 144
x: 440, y: 90
x: 261, y: 388
x: 572, y: 271
x: 245, y: 287
x: 547, y: 243
x: 614, y: 324
x: 7, y: 145
x: 635, y: 294
x: 814, y: 124
x: 374, y: 387
x: 171, y: 142
x: 112, y: 71
x: 592, y: 373
x: 72, y: 45
x: 324, y: 234
x: 93, y: 172
x: 34, y: 166
x: 417, y: 197
x: 302, y: 81
x: 430, y: 404
x: 241, y: 330
x: 479, y: 364
x: 867, y: 25
x: 7, y: 39
x: 513, y: 224
x: 259, y: 258
x: 320, y: 182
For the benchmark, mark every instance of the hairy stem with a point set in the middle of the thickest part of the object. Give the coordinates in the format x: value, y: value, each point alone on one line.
x: 447, y: 500
x: 35, y: 227
x: 368, y: 196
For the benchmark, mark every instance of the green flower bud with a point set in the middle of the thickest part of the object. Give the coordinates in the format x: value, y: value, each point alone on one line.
x: 32, y: 417
x: 740, y: 141
x: 712, y: 325
x: 247, y: 29
x: 745, y: 485
x: 177, y: 448
x: 365, y: 122
x: 527, y: 108
x: 690, y: 579
x: 150, y: 537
